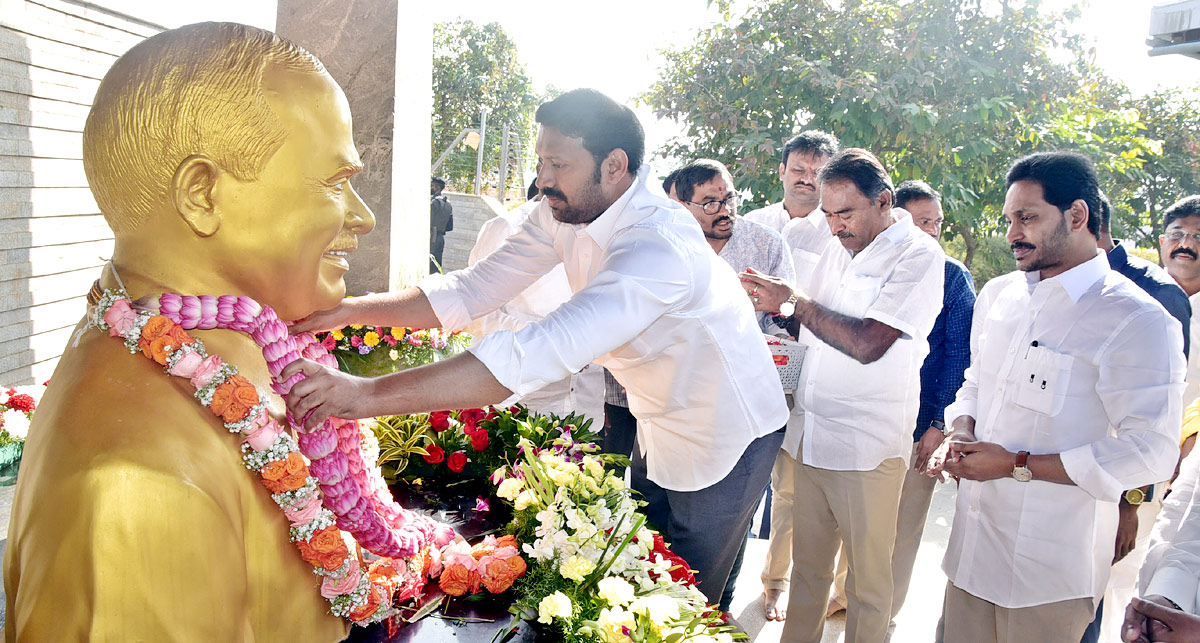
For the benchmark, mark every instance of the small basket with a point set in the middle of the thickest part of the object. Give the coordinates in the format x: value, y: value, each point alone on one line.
x: 789, y: 357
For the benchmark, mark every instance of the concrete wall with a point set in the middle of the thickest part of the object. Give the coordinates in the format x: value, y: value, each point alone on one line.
x: 470, y: 213
x: 52, y: 237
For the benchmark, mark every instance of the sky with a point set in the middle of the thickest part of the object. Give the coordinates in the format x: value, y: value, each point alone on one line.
x: 614, y: 45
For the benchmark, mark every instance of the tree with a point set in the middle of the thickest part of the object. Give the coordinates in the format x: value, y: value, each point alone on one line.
x: 1171, y: 119
x: 477, y: 66
x: 943, y: 90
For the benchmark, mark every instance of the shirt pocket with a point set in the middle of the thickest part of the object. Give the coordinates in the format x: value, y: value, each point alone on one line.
x: 1043, y: 378
x: 858, y: 294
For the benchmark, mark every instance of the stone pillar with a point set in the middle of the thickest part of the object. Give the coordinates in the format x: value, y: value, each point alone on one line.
x: 385, y: 66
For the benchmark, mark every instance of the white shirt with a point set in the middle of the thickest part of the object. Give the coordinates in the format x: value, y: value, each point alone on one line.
x: 1111, y: 362
x: 581, y: 392
x: 654, y: 305
x: 808, y: 237
x: 1193, y: 363
x: 773, y: 216
x: 851, y: 416
x: 1172, y: 565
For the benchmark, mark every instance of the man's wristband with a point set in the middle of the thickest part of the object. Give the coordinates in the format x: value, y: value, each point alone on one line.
x: 940, y: 426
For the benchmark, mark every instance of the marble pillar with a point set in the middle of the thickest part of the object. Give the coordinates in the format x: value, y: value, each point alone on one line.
x: 385, y: 65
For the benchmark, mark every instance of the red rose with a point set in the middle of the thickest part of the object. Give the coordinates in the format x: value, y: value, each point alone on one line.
x: 457, y: 461
x: 439, y: 421
x: 21, y: 402
x: 480, y: 440
x: 436, y: 454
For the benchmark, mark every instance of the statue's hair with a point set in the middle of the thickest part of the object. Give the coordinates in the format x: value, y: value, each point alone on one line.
x: 195, y: 90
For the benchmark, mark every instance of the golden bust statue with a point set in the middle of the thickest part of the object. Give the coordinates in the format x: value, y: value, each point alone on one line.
x: 220, y: 155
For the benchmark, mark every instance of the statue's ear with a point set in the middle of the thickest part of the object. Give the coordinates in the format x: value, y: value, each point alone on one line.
x: 192, y: 193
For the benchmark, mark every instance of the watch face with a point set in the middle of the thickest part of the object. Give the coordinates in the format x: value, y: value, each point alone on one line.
x: 1135, y: 496
x: 787, y: 309
x: 1022, y: 474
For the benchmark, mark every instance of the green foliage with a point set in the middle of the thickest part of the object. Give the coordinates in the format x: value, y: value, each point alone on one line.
x: 476, y: 66
x: 942, y: 90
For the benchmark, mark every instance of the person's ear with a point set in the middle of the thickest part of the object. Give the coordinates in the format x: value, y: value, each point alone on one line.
x: 614, y: 167
x: 192, y: 194
x: 1078, y: 215
x: 782, y: 172
x: 885, y: 200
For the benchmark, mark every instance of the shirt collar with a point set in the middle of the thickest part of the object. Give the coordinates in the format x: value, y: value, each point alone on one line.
x: 1077, y: 280
x: 602, y: 228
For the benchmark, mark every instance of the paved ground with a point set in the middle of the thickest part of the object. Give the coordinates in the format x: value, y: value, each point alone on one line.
x: 916, y: 621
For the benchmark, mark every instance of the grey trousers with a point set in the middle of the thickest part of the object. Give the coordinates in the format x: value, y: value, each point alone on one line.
x: 707, y: 527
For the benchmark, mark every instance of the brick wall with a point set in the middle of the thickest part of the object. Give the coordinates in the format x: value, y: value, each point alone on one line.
x: 52, y: 237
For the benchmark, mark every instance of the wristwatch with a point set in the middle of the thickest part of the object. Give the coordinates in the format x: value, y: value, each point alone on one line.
x: 1020, y: 471
x: 1135, y: 497
x: 788, y: 308
x: 939, y: 425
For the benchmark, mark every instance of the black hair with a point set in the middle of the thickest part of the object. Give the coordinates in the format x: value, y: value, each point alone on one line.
x: 696, y: 173
x: 603, y: 124
x: 1105, y: 214
x: 811, y: 142
x: 441, y: 183
x: 861, y: 168
x: 915, y: 190
x: 1188, y: 206
x: 1065, y: 177
x: 669, y: 180
x: 532, y: 192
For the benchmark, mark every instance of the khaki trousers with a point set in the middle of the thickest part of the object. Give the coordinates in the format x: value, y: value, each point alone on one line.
x: 778, y: 565
x: 970, y: 619
x: 858, y: 508
x: 910, y: 524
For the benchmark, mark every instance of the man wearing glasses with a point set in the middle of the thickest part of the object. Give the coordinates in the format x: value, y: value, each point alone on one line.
x: 1180, y: 244
x: 705, y: 188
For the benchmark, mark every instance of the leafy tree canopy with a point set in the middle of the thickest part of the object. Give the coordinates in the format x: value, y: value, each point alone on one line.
x: 943, y: 90
x: 477, y: 66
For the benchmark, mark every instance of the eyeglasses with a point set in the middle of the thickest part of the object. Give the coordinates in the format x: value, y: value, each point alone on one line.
x: 713, y: 207
x: 1174, y: 235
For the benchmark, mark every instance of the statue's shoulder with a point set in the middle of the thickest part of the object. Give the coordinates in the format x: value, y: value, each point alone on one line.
x: 106, y: 408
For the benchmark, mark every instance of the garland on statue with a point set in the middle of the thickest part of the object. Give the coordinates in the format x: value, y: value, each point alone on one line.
x: 337, y: 501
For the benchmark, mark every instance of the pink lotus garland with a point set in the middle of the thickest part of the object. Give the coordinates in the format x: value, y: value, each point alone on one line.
x: 354, y: 491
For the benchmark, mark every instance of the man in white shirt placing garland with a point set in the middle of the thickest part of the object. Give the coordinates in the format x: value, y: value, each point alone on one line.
x: 652, y: 303
x: 873, y: 302
x: 1073, y: 395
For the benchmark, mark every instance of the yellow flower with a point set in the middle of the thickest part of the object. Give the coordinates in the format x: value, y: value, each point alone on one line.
x: 552, y: 606
x: 356, y: 326
x: 397, y: 332
x: 612, y: 623
x: 510, y: 488
x: 660, y: 609
x: 561, y: 477
x: 593, y: 467
x: 615, y: 590
x: 338, y: 335
x: 523, y: 500
x: 576, y: 568
x: 371, y: 339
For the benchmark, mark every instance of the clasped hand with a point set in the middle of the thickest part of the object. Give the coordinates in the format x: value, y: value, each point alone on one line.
x: 962, y: 456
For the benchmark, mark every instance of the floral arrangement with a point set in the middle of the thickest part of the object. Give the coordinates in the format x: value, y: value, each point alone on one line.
x: 379, y: 350
x: 16, y: 413
x: 597, y: 573
x: 473, y: 443
x: 493, y: 564
x: 325, y: 482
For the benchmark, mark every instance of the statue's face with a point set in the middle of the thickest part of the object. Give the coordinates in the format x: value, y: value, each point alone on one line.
x: 286, y: 235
